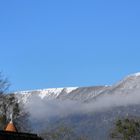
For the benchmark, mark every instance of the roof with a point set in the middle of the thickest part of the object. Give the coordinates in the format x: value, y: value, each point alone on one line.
x: 10, y: 127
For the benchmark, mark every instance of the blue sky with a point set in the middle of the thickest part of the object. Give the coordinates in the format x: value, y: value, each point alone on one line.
x: 45, y: 44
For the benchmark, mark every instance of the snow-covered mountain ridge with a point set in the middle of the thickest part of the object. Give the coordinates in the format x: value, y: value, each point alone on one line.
x: 49, y: 93
x: 94, y: 108
x: 129, y: 84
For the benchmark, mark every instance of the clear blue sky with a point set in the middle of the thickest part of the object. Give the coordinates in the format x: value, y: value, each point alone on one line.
x: 62, y: 43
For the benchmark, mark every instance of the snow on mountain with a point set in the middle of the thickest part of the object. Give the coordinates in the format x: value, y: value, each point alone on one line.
x: 132, y: 81
x: 50, y: 93
x: 95, y: 108
x: 126, y: 86
x: 135, y: 74
x: 54, y: 92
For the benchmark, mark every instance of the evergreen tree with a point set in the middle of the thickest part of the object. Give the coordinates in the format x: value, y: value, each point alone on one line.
x: 126, y: 129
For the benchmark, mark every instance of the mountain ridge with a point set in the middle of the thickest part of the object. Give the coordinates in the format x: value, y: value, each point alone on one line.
x: 95, y: 107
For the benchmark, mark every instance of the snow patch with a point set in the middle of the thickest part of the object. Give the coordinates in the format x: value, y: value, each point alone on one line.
x: 136, y: 74
x: 55, y: 91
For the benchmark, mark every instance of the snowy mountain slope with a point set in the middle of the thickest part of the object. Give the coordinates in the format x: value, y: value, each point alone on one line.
x: 94, y: 108
x: 51, y: 93
x: 71, y: 93
x: 129, y: 85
